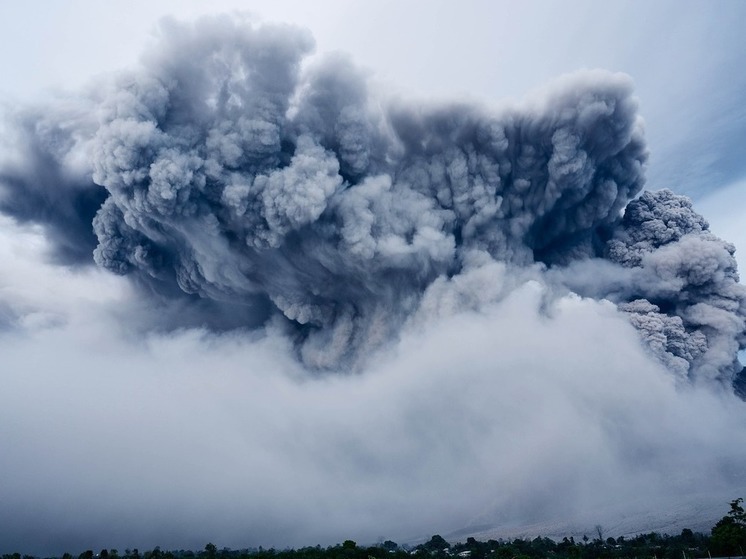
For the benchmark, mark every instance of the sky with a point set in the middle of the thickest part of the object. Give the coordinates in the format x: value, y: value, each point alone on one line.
x: 507, y: 400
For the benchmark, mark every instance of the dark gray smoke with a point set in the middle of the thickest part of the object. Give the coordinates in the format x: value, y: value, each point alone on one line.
x: 224, y: 173
x: 687, y: 279
x: 48, y: 183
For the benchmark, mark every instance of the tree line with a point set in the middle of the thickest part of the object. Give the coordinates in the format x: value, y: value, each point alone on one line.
x: 727, y: 539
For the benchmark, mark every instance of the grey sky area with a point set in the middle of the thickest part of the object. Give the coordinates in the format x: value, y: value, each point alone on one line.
x: 306, y: 273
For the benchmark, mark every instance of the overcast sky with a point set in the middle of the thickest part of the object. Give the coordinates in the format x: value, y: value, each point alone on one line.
x: 114, y: 438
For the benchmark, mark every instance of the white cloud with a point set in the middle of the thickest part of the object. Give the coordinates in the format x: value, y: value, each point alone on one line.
x: 524, y: 410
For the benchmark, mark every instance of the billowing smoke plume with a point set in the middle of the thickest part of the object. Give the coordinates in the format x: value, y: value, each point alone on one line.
x: 686, y: 280
x: 224, y: 173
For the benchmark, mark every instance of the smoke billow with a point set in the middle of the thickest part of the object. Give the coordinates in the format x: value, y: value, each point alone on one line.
x: 223, y: 173
x: 232, y: 178
x: 687, y: 278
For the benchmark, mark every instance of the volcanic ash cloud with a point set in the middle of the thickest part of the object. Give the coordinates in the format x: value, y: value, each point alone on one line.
x: 224, y: 178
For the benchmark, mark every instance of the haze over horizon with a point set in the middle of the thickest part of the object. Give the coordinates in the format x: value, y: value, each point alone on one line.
x: 255, y: 295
